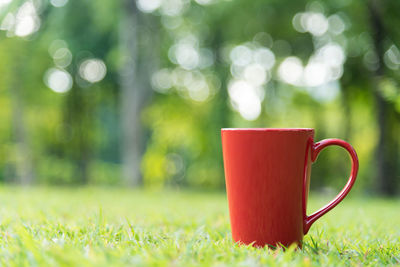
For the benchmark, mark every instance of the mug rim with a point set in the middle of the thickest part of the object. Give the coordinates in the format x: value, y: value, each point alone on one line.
x: 269, y: 129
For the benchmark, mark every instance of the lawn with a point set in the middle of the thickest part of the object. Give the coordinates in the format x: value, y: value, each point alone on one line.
x: 96, y: 226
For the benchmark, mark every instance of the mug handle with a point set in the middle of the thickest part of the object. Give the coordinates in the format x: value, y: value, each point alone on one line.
x: 315, y: 150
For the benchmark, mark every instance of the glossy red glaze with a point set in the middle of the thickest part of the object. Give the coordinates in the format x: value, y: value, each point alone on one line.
x: 267, y: 174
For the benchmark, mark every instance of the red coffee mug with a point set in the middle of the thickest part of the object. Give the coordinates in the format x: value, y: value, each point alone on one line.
x: 267, y: 174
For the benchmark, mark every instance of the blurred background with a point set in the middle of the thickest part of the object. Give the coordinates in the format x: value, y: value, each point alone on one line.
x: 134, y: 93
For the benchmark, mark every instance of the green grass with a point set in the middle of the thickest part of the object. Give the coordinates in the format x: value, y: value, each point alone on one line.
x: 92, y: 226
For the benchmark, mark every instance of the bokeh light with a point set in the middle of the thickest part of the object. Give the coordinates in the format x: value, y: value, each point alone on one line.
x: 264, y: 57
x: 171, y: 23
x: 56, y: 45
x: 392, y: 57
x: 241, y: 55
x: 8, y: 22
x: 371, y: 60
x: 185, y: 53
x: 250, y: 67
x: 324, y: 66
x: 161, y: 80
x: 62, y: 57
x: 255, y: 74
x: 27, y: 20
x: 313, y: 22
x: 189, y: 84
x: 332, y: 54
x: 336, y: 24
x: 173, y: 7
x: 245, y: 98
x: 315, y: 74
x: 4, y: 2
x: 92, y: 70
x: 263, y: 39
x: 58, y: 80
x: 291, y: 70
x: 197, y: 87
x: 148, y: 6
x: 61, y: 3
x: 204, y: 2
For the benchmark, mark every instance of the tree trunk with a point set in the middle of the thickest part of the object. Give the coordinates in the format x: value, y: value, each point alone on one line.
x: 387, y: 146
x: 220, y: 109
x: 137, y: 55
x: 79, y: 120
x: 23, y: 162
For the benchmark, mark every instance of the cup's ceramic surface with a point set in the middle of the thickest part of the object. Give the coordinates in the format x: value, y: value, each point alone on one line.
x: 267, y: 174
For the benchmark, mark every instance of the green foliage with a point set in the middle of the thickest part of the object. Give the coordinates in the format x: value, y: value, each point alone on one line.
x: 178, y: 140
x: 269, y: 24
x: 74, y: 136
x: 97, y: 227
